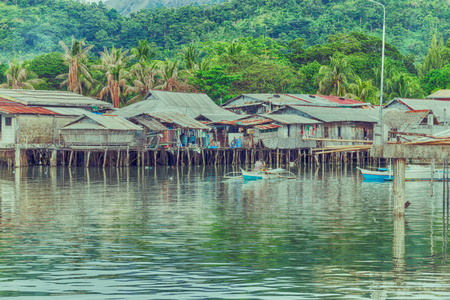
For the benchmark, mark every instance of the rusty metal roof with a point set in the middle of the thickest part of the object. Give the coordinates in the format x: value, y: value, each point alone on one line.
x: 13, y: 108
x: 245, y: 121
x: 268, y: 126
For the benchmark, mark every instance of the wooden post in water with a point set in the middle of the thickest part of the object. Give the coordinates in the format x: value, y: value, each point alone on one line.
x: 399, y: 186
x: 104, y: 158
x: 127, y: 163
x: 87, y: 158
x: 54, y: 158
x: 278, y: 158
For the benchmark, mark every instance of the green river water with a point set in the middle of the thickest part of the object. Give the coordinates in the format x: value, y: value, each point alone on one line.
x: 187, y: 233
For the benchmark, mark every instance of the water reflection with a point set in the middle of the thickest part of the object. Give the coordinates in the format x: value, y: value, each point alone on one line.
x: 186, y: 233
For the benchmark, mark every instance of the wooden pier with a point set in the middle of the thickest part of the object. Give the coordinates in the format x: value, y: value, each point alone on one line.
x: 26, y: 155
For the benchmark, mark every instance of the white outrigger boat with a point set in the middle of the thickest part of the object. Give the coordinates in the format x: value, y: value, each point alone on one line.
x: 412, y: 173
x: 261, y: 174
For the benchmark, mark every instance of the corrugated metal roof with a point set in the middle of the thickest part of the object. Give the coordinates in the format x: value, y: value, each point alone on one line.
x: 191, y: 104
x: 336, y: 114
x: 440, y: 94
x: 268, y: 126
x: 11, y: 107
x: 220, y: 117
x: 178, y: 118
x: 13, y: 110
x: 67, y: 111
x: 290, y: 119
x: 51, y: 98
x: 245, y: 121
x: 343, y: 100
x: 135, y: 109
x: 149, y: 122
x: 436, y: 106
x: 102, y: 122
x: 294, y: 99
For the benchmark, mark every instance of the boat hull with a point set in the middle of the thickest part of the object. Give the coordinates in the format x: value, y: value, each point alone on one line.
x: 412, y: 173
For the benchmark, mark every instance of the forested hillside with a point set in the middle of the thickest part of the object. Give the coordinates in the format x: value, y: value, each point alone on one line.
x: 125, y: 7
x: 253, y: 46
x: 36, y: 26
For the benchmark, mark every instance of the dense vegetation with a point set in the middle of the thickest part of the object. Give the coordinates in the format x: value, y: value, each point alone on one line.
x: 254, y: 46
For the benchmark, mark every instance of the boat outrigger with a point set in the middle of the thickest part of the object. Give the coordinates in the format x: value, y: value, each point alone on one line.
x: 261, y: 174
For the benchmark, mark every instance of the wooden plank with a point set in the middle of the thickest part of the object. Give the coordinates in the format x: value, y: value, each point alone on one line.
x: 339, y: 140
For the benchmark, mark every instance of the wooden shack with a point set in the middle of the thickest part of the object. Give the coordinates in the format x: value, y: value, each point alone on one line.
x: 411, y: 122
x: 266, y: 131
x: 172, y: 129
x: 92, y: 131
x: 337, y: 123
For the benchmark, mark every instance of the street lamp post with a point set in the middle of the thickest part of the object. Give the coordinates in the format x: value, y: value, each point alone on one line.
x: 382, y: 58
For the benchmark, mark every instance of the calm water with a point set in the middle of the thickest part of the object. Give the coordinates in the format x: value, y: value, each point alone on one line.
x: 187, y: 233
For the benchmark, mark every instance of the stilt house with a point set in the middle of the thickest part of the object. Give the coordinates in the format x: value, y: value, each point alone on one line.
x: 266, y: 131
x: 249, y: 104
x: 337, y: 123
x: 93, y: 131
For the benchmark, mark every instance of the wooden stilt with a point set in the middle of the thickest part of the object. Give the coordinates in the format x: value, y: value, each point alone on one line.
x: 104, y: 158
x: 88, y: 157
x: 127, y: 163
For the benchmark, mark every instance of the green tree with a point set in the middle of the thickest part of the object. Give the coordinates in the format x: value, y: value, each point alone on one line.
x: 75, y: 59
x: 172, y: 78
x: 403, y: 85
x: 436, y: 80
x: 436, y: 57
x: 144, y: 76
x: 114, y: 64
x: 363, y: 90
x: 145, y: 51
x: 215, y: 82
x: 48, y: 67
x: 17, y: 77
x: 332, y: 79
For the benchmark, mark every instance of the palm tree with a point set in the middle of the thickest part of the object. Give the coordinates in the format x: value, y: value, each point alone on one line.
x: 76, y: 58
x: 16, y: 77
x: 333, y: 79
x: 362, y: 90
x: 144, y: 79
x: 113, y: 63
x: 172, y: 78
x: 191, y: 57
x: 402, y: 85
x: 144, y: 51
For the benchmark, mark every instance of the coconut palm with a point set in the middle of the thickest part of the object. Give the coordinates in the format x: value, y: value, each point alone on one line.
x: 171, y: 78
x: 76, y: 59
x: 191, y: 57
x: 16, y: 77
x: 362, y: 90
x: 403, y: 85
x: 113, y: 63
x: 144, y: 51
x: 332, y: 79
x: 144, y: 79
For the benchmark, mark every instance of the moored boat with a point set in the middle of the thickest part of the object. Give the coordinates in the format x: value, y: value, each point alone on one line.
x: 262, y: 174
x: 412, y: 173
